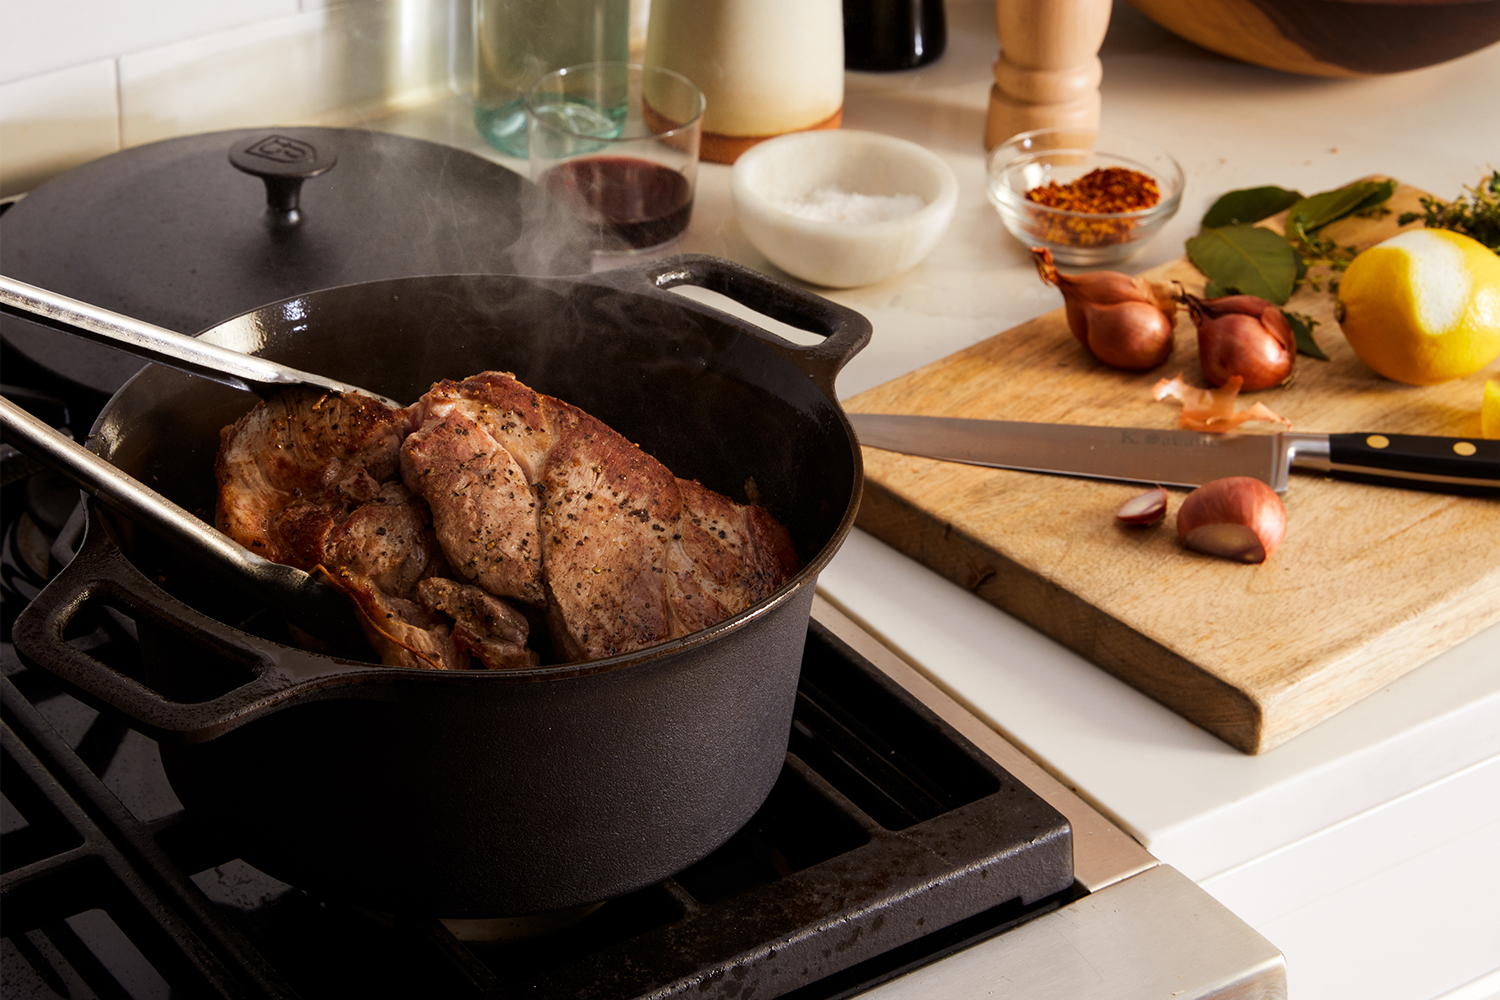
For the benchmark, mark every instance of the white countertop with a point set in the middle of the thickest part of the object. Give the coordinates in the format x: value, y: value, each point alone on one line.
x: 1368, y: 849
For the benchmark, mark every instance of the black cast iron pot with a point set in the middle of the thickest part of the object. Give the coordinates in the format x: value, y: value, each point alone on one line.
x: 478, y: 793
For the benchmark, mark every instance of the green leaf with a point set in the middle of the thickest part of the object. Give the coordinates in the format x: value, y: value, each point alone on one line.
x: 1302, y: 327
x: 1380, y: 193
x: 1213, y: 290
x: 1250, y: 259
x: 1249, y: 205
x: 1316, y: 211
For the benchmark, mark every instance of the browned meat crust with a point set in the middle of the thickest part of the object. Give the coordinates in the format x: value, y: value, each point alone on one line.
x: 482, y: 503
x: 484, y: 626
x: 629, y: 554
x: 402, y: 631
x: 516, y: 496
x: 293, y: 467
x: 724, y: 557
x: 609, y: 514
x: 308, y: 479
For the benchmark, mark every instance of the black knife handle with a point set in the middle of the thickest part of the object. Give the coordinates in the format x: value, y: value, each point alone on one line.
x: 1468, y: 466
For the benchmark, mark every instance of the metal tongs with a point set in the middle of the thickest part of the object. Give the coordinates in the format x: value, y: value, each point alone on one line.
x: 145, y: 340
x: 312, y: 606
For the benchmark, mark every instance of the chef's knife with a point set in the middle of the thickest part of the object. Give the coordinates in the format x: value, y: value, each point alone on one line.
x: 1189, y: 458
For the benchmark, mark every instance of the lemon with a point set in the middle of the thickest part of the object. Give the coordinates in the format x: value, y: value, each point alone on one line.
x: 1423, y: 307
x: 1489, y: 410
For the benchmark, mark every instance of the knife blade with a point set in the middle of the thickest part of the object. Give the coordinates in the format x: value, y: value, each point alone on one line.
x: 1189, y: 458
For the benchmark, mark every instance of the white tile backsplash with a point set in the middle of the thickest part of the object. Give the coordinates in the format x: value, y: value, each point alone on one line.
x: 55, y: 121
x: 45, y: 35
x: 173, y: 67
x: 329, y: 66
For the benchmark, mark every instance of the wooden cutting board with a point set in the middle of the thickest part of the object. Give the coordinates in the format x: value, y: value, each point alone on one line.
x: 1370, y: 583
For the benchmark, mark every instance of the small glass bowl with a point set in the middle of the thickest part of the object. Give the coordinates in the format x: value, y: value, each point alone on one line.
x: 1031, y: 159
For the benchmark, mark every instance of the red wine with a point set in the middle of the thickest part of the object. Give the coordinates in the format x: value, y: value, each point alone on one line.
x: 635, y: 203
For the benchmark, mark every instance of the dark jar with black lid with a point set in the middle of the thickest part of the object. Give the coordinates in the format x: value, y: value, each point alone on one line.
x: 887, y: 35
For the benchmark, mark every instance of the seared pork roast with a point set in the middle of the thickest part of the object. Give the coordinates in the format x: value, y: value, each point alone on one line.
x: 455, y: 523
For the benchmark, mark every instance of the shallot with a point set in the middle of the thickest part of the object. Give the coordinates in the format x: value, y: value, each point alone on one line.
x: 1147, y: 508
x: 1242, y: 335
x: 1237, y: 518
x: 1125, y: 322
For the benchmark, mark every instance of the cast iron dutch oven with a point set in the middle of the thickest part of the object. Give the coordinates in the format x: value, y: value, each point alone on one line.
x: 478, y: 793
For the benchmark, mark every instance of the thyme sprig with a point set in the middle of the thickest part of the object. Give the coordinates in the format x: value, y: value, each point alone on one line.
x: 1476, y: 216
x: 1322, y: 251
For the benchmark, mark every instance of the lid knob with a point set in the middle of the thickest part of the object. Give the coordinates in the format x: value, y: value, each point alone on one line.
x: 283, y: 163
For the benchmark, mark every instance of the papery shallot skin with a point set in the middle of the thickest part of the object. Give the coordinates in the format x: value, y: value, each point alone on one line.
x: 1212, y: 410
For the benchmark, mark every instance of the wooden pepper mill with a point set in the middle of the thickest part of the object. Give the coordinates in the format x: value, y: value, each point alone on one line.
x: 1048, y: 72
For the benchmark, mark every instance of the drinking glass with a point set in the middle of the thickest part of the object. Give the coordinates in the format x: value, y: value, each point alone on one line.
x: 618, y: 144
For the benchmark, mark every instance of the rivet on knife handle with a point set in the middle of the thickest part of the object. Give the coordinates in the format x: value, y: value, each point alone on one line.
x: 1441, y: 464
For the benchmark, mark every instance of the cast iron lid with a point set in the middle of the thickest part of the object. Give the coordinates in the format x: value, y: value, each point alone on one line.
x: 188, y: 232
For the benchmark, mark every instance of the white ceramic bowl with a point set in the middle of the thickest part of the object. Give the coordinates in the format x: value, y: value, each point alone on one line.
x: 771, y: 177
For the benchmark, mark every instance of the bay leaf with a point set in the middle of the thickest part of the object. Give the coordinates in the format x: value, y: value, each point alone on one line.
x: 1250, y: 260
x: 1302, y: 328
x: 1249, y: 205
x: 1316, y: 211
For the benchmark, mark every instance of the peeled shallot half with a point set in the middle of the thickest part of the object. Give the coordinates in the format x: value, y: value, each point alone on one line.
x: 1236, y: 518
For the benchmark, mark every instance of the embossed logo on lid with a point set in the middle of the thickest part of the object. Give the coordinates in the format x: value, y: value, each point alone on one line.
x: 283, y: 149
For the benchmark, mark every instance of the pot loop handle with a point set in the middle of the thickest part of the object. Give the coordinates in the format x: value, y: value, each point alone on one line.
x: 846, y: 332
x: 101, y: 574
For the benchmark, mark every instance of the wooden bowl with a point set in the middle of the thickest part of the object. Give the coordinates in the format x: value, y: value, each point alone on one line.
x: 1332, y: 37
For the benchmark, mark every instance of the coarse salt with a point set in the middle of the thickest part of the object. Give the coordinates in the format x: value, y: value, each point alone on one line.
x: 834, y: 204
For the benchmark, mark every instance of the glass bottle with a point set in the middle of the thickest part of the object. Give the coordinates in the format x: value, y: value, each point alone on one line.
x: 518, y: 41
x: 765, y: 67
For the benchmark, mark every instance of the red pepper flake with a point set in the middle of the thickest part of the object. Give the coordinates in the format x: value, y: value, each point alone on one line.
x: 1101, y: 191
